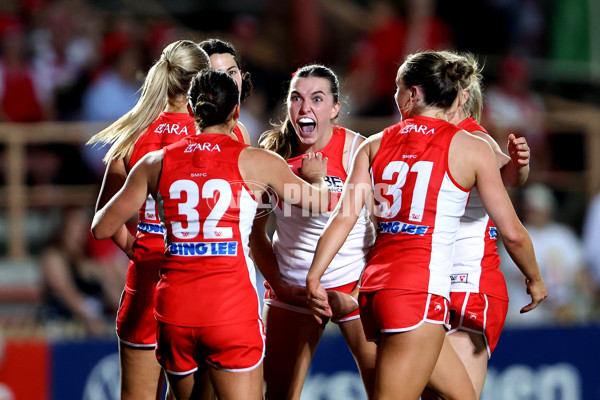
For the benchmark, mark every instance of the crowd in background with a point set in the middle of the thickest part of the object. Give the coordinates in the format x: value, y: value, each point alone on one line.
x: 78, y: 60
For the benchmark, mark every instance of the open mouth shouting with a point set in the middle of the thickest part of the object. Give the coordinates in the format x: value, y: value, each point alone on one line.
x: 307, y: 125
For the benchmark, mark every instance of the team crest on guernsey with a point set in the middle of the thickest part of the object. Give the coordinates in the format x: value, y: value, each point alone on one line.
x: 334, y: 184
x: 493, y: 232
x: 459, y: 278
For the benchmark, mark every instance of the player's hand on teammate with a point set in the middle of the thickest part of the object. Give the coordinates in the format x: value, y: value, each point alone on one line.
x: 314, y: 167
x: 341, y: 303
x: 290, y: 294
x: 518, y: 149
x: 538, y: 292
x: 318, y: 303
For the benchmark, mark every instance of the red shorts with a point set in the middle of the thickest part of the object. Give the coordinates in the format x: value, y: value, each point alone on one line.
x: 272, y: 300
x: 136, y: 325
x: 478, y: 313
x: 235, y: 347
x: 397, y: 310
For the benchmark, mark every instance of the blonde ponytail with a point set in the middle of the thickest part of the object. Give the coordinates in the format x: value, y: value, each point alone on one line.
x: 169, y: 77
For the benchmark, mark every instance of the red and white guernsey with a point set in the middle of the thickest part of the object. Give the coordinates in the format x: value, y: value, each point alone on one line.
x: 419, y: 206
x: 297, y: 231
x: 207, y: 278
x: 149, y: 242
x: 476, y: 261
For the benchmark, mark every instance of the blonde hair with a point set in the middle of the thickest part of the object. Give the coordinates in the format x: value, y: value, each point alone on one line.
x: 168, y: 78
x: 474, y: 105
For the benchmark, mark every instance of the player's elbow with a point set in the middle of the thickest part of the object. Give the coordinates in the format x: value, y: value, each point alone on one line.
x: 99, y: 231
x: 514, y: 237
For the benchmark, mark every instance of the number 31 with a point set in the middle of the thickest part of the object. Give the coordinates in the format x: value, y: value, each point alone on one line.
x: 423, y: 170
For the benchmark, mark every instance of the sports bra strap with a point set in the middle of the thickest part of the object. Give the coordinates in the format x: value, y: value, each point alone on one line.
x: 352, y: 150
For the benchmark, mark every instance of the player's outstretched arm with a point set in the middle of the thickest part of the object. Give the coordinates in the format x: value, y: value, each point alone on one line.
x: 123, y: 205
x: 356, y: 191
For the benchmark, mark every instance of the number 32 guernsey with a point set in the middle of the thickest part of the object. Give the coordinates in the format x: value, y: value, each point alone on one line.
x: 207, y: 278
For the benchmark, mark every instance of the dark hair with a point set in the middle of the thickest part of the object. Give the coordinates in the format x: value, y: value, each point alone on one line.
x: 282, y: 138
x: 218, y: 46
x: 321, y: 71
x: 439, y: 77
x: 213, y: 95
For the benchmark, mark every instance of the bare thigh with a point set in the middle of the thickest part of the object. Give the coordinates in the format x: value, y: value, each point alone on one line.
x: 238, y: 385
x: 364, y: 352
x: 197, y: 386
x: 142, y: 377
x: 291, y: 342
x: 472, y: 350
x: 405, y: 361
x: 449, y: 377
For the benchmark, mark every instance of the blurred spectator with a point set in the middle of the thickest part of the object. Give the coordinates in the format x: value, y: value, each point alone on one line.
x: 559, y: 253
x: 76, y: 286
x: 264, y: 45
x: 114, y: 91
x: 426, y: 30
x: 511, y: 106
x: 376, y: 55
x: 65, y: 39
x: 158, y: 35
x: 591, y: 244
x: 29, y: 93
x: 21, y: 97
x: 306, y: 31
x: 389, y: 30
x: 250, y: 47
